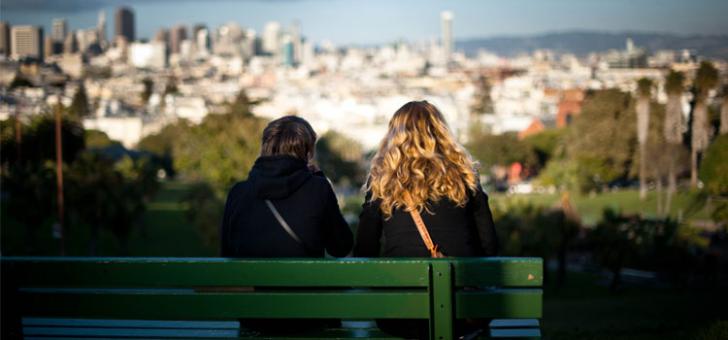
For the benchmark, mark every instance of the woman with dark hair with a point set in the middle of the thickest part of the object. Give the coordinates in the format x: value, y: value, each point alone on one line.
x: 423, y: 200
x: 286, y: 208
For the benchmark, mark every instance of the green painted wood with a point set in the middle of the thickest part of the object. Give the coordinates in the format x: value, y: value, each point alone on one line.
x: 499, y: 272
x: 499, y: 303
x: 195, y: 272
x: 221, y: 306
x: 116, y: 323
x: 442, y: 311
x: 128, y: 332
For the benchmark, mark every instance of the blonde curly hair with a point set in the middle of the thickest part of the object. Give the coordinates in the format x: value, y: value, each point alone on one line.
x: 419, y: 161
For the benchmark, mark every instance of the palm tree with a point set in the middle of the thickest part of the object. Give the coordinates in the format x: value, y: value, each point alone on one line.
x: 673, y: 130
x: 706, y: 78
x: 644, y: 92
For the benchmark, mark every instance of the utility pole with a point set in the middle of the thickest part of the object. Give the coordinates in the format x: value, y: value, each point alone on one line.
x: 59, y: 179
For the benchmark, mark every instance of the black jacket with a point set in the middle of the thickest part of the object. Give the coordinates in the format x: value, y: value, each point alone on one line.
x: 457, y: 231
x: 306, y: 202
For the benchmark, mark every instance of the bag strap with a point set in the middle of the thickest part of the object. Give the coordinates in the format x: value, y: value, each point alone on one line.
x: 431, y: 247
x: 283, y: 223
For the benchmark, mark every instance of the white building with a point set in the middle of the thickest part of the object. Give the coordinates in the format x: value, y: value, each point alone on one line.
x: 150, y: 55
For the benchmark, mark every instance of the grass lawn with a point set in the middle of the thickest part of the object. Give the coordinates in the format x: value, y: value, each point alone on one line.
x: 585, y: 310
x: 590, y: 207
x: 163, y: 230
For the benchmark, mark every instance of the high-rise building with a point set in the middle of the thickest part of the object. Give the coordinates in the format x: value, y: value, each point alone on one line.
x: 101, y: 27
x: 296, y: 39
x: 59, y: 29
x: 70, y: 44
x: 447, y: 43
x: 162, y: 36
x: 4, y: 38
x: 124, y: 24
x: 176, y: 35
x: 287, y: 51
x: 26, y: 41
x: 52, y: 47
x: 202, y: 41
x: 271, y: 38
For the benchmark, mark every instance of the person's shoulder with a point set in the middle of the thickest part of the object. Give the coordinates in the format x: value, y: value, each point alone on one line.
x: 238, y: 189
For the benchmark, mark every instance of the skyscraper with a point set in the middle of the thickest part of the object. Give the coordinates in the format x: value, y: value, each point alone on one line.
x: 447, y: 44
x: 287, y: 51
x: 271, y: 37
x: 60, y: 29
x: 124, y: 24
x: 26, y: 41
x: 296, y: 37
x: 70, y: 44
x: 101, y: 27
x: 176, y: 35
x: 4, y: 38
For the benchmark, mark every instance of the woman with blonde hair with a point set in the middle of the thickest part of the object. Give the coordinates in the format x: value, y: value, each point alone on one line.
x: 421, y: 173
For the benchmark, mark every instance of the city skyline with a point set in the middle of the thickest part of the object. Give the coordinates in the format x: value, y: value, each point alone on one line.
x: 382, y: 22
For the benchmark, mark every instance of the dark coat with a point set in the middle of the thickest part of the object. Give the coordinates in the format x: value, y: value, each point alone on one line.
x: 457, y: 231
x: 304, y: 199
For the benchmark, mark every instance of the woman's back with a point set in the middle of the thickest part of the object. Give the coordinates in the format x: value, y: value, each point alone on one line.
x: 457, y: 230
x: 304, y: 199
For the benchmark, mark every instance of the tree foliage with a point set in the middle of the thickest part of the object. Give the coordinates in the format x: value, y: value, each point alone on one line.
x: 79, y: 104
x: 340, y: 158
x: 503, y: 149
x: 602, y: 140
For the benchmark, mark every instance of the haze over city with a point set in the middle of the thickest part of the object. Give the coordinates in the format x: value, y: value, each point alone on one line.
x: 379, y: 21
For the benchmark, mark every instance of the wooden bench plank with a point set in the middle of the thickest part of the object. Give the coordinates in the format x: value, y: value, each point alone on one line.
x: 180, y: 306
x: 129, y: 332
x: 191, y: 272
x: 119, y: 323
x: 499, y: 303
x: 498, y: 272
x: 513, y: 323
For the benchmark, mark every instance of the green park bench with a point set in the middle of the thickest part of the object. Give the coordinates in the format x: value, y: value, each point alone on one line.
x: 75, y: 297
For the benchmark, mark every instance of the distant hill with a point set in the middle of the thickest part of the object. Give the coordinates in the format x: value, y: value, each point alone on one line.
x: 584, y: 42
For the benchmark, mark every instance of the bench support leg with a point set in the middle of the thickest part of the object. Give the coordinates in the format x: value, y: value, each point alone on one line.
x: 441, y: 320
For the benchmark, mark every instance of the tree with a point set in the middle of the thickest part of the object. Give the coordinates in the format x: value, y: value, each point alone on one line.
x: 80, y: 107
x: 714, y: 175
x: 547, y: 144
x: 482, y: 103
x: 601, y: 140
x: 673, y: 128
x: 644, y: 93
x: 148, y: 90
x: 724, y: 112
x: 706, y: 78
x: 503, y: 149
x: 341, y: 158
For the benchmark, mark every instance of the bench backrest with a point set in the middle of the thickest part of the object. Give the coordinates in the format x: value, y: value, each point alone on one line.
x: 218, y: 289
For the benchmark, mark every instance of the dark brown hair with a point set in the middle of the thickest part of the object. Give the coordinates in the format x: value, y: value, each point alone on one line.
x: 289, y: 135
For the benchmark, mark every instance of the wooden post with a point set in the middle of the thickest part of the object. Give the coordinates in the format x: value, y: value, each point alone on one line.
x: 441, y: 320
x: 59, y: 179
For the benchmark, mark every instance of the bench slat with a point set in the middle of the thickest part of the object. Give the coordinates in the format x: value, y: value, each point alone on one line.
x: 181, y: 306
x: 129, y: 332
x: 116, y: 323
x: 499, y: 272
x: 499, y: 303
x: 161, y: 272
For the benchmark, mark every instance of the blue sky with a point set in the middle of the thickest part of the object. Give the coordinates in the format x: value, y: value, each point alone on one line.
x: 378, y: 21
